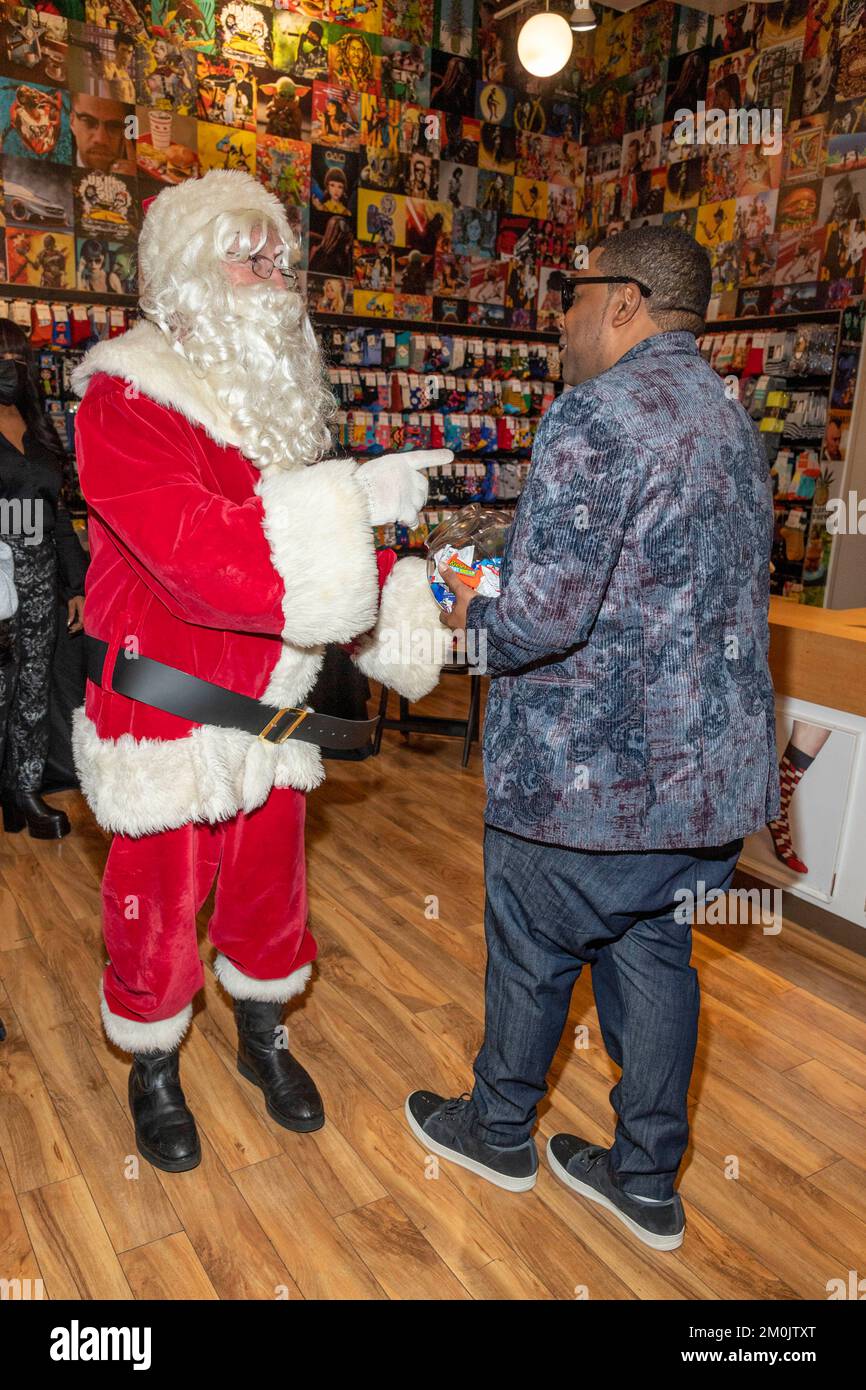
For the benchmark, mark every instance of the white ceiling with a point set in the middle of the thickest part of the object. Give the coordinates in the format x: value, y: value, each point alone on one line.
x: 708, y: 6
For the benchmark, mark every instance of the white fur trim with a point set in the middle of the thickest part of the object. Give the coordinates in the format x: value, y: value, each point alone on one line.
x: 133, y: 1036
x: 145, y: 359
x: 241, y: 986
x: 142, y: 786
x: 408, y: 645
x: 318, y: 528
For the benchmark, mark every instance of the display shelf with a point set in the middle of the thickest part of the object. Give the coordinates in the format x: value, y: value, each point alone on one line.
x: 440, y: 329
x: 56, y: 295
x: 774, y: 321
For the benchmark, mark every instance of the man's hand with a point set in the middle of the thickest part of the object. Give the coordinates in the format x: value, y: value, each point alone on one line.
x: 463, y: 596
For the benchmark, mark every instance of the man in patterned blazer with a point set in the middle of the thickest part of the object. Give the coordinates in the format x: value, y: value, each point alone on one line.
x: 629, y: 741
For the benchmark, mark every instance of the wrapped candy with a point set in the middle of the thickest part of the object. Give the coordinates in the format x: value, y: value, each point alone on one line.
x: 471, y: 543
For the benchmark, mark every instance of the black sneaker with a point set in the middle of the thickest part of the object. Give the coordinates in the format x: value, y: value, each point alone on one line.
x: 584, y: 1167
x: 437, y: 1123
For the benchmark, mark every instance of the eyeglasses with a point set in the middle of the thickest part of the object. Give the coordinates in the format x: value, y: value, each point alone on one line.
x: 568, y: 284
x: 264, y: 268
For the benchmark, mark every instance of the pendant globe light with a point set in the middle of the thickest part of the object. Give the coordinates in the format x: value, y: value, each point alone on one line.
x: 544, y: 44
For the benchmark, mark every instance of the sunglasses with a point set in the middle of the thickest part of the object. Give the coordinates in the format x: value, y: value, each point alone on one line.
x: 568, y: 283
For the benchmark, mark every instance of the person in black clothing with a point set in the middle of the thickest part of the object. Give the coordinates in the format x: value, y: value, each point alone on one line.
x: 47, y: 559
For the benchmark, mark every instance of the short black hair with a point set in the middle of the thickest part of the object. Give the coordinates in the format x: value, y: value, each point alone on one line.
x: 674, y: 266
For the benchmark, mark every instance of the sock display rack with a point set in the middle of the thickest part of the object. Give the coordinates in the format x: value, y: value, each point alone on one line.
x: 797, y: 383
x: 481, y: 395
x: 60, y: 331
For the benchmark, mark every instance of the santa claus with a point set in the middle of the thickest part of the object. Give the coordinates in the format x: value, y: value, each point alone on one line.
x: 224, y: 554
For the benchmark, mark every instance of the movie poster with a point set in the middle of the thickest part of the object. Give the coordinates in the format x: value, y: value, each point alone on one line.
x: 336, y: 116
x: 300, y: 47
x: 495, y: 192
x: 452, y: 273
x: 455, y: 31
x: 329, y: 294
x: 106, y: 267
x: 283, y: 108
x: 497, y: 149
x: 37, y: 194
x: 374, y: 265
x: 225, y: 147
x: 226, y: 91
x: 243, y: 31
x: 332, y: 244
x: 106, y: 205
x: 34, y: 45
x: 429, y: 227
x: 405, y: 72
x: 381, y: 217
x: 41, y: 259
x: 165, y: 75
x: 186, y: 23
x: 35, y: 121
x: 356, y: 14
x: 283, y: 166
x: 167, y: 145
x: 452, y: 82
x: 410, y: 20
x: 458, y: 185
x: 474, y: 232
x: 333, y: 185
x: 353, y: 58
x: 529, y: 198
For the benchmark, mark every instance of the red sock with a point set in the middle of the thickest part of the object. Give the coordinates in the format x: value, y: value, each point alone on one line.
x: 793, y: 764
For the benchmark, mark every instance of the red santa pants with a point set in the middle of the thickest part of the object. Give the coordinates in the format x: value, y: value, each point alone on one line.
x: 153, y: 887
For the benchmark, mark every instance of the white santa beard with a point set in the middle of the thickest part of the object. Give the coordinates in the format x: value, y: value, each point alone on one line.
x: 254, y: 347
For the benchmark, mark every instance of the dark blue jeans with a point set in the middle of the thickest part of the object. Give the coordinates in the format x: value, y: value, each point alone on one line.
x: 550, y: 911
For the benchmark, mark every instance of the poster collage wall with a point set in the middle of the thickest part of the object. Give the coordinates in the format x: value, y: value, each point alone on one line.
x: 429, y: 177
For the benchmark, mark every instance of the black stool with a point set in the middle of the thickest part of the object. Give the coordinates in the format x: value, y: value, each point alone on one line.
x: 467, y: 729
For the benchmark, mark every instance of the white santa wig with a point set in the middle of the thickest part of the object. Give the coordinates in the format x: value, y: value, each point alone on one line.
x: 253, y: 344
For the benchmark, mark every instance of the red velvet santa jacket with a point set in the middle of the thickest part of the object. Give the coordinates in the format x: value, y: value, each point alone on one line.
x: 236, y: 574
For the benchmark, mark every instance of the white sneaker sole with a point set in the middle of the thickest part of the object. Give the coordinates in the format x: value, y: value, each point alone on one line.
x: 480, y: 1169
x: 647, y: 1237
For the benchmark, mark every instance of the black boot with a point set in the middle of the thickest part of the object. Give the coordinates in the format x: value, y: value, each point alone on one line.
x: 290, y: 1092
x: 27, y: 808
x: 165, y: 1131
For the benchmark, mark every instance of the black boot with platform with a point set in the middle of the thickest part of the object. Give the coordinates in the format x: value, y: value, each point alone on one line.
x: 290, y: 1093
x: 26, y: 808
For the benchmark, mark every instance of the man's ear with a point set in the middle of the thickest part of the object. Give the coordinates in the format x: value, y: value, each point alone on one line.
x: 627, y: 302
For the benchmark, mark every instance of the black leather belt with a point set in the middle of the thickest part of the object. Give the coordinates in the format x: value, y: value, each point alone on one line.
x: 201, y: 702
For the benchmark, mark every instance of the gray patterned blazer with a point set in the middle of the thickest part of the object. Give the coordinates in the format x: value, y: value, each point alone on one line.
x: 631, y: 705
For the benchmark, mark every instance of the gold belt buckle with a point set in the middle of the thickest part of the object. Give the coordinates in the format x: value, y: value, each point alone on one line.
x: 281, y: 738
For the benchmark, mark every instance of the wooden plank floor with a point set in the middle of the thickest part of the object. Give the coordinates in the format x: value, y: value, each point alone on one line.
x: 775, y: 1182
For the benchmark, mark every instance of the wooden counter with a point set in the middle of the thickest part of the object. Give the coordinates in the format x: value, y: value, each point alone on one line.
x: 819, y: 655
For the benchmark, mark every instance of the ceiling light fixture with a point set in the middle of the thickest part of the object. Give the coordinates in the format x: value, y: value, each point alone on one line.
x: 582, y: 18
x: 544, y: 43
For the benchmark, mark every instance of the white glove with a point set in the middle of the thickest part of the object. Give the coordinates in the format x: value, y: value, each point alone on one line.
x: 395, y: 486
x: 8, y: 594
